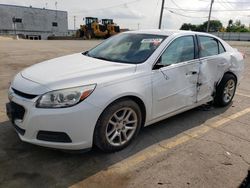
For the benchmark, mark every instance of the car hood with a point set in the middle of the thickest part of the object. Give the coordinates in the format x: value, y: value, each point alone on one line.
x: 75, y: 70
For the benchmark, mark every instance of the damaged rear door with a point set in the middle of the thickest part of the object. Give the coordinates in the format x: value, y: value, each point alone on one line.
x: 213, y: 63
x: 175, y: 76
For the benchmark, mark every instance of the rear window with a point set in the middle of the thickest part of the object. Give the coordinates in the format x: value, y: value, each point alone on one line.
x: 221, y: 48
x: 210, y: 46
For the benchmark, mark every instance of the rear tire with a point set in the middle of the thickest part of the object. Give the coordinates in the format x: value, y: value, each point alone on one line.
x: 225, y: 90
x: 118, y: 125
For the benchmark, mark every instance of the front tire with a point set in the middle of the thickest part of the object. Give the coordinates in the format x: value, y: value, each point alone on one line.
x: 118, y: 125
x: 225, y: 90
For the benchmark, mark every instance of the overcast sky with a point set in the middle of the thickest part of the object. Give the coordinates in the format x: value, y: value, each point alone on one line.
x: 144, y: 13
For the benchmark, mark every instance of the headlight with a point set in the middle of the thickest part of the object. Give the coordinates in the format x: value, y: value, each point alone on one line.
x: 65, y: 97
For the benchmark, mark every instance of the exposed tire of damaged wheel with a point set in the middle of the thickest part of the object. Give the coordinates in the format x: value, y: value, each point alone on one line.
x: 101, y: 140
x: 227, y: 86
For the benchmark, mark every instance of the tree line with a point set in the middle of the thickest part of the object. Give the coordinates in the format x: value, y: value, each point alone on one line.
x: 216, y: 26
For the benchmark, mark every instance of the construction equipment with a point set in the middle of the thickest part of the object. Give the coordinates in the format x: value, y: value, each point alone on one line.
x: 111, y: 27
x: 92, y: 29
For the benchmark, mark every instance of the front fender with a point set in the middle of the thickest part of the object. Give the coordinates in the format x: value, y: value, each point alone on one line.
x: 139, y: 87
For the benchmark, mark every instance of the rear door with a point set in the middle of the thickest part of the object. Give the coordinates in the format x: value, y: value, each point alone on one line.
x: 175, y: 77
x: 213, y: 63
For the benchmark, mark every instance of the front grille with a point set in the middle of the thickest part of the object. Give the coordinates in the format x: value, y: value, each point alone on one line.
x: 24, y: 95
x: 17, y: 111
x: 53, y: 136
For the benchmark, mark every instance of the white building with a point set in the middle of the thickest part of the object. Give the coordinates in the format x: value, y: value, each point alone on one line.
x: 32, y: 23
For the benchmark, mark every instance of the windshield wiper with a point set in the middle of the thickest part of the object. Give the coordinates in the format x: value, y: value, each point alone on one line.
x: 102, y: 58
x: 112, y: 60
x: 105, y: 59
x: 121, y: 61
x: 86, y: 53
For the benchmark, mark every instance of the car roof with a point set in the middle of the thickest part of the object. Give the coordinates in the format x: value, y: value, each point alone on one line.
x: 167, y: 32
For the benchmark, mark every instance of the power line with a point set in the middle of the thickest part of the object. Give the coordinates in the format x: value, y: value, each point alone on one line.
x: 118, y: 5
x: 183, y: 14
x: 113, y: 6
x: 222, y: 4
x: 186, y: 15
x: 239, y: 2
x: 226, y: 3
x: 232, y: 2
x: 203, y: 10
x: 176, y: 4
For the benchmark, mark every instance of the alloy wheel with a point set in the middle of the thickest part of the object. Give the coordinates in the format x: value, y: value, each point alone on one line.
x: 229, y: 90
x: 121, y: 126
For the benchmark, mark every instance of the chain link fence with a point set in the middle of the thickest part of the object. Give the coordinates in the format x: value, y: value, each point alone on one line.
x: 233, y: 36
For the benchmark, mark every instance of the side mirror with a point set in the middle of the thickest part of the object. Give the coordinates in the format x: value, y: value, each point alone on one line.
x: 158, y: 64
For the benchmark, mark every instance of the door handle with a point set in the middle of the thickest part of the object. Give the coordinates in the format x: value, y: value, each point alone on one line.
x: 192, y: 73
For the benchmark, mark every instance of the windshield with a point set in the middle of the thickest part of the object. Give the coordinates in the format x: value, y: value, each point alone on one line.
x: 127, y: 48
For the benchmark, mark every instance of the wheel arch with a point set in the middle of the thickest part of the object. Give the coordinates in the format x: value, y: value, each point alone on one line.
x: 230, y: 72
x: 134, y: 98
x: 218, y: 95
x: 227, y: 72
x: 141, y: 105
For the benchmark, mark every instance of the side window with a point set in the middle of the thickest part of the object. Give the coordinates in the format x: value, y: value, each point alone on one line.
x: 221, y: 48
x: 180, y: 50
x: 208, y: 46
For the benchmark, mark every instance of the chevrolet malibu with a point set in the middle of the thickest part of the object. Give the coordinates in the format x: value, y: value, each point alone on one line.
x: 104, y: 96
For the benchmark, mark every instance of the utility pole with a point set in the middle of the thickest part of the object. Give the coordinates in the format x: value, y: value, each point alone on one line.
x: 74, y: 22
x: 56, y: 8
x: 162, y: 8
x: 14, y: 22
x: 249, y: 23
x: 209, y: 16
x: 138, y: 26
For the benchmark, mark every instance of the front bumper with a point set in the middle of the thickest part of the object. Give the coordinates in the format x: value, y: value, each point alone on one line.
x: 77, y: 122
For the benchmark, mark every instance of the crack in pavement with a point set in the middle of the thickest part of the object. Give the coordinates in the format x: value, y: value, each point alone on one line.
x: 228, y: 133
x: 224, y: 147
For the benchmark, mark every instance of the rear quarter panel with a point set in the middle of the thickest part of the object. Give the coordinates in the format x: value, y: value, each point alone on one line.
x: 235, y: 61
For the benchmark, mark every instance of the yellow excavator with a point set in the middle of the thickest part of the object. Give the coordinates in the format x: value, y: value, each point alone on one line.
x: 92, y: 29
x: 111, y: 27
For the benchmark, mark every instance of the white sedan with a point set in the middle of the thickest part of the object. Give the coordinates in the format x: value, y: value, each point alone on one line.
x: 104, y: 96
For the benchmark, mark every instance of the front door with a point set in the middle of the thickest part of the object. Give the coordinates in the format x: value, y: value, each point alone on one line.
x: 175, y: 77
